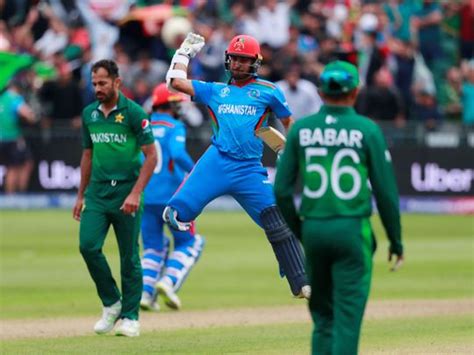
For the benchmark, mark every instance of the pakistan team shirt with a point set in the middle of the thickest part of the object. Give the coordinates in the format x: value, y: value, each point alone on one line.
x: 115, y: 140
x: 342, y: 159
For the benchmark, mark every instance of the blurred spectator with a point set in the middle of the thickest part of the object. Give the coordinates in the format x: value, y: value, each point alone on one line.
x: 468, y: 92
x: 209, y: 59
x: 245, y: 18
x: 54, y: 39
x: 274, y: 21
x: 381, y: 101
x: 14, y: 152
x: 302, y: 95
x: 5, y: 38
x: 62, y: 99
x: 426, y: 109
x: 426, y: 26
x: 403, y: 67
x: 399, y: 13
x: 103, y: 34
x: 327, y: 50
x: 371, y: 58
x: 451, y: 103
x: 150, y: 70
x: 450, y: 28
x: 467, y: 30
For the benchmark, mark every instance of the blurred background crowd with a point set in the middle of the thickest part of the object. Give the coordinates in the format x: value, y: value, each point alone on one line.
x: 415, y: 57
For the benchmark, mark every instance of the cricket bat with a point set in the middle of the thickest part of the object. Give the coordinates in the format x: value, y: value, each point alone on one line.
x: 273, y: 138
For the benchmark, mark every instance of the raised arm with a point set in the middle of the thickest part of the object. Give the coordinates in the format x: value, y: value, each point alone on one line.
x: 177, y: 75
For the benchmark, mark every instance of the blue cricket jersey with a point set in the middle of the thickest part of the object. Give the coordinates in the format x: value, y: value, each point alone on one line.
x: 173, y: 160
x: 236, y: 113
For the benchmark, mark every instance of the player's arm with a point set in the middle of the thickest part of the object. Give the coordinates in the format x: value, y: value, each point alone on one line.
x: 384, y: 187
x: 285, y: 180
x: 177, y: 75
x: 132, y: 202
x: 27, y: 113
x: 287, y: 122
x: 86, y: 169
x: 178, y: 150
x: 279, y: 106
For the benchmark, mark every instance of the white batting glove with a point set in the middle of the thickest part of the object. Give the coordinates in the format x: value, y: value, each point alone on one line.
x: 191, y: 45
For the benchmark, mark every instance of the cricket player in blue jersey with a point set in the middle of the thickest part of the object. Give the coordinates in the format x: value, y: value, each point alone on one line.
x: 164, y: 274
x: 232, y: 164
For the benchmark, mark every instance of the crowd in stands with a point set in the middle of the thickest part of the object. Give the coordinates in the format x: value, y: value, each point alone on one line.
x: 415, y: 57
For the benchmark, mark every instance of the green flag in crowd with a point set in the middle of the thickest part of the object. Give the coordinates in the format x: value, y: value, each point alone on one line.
x: 12, y: 63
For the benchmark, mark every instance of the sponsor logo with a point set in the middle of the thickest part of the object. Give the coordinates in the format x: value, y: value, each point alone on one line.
x: 119, y: 118
x: 58, y: 175
x: 432, y: 177
x: 247, y: 110
x: 145, y: 123
x: 108, y: 138
x: 224, y: 92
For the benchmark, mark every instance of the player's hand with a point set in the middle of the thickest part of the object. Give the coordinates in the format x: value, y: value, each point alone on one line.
x: 191, y: 45
x: 398, y: 261
x: 77, y: 209
x: 131, y: 203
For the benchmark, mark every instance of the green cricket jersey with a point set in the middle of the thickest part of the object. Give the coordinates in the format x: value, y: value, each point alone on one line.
x: 116, y: 139
x: 10, y: 129
x: 337, y: 152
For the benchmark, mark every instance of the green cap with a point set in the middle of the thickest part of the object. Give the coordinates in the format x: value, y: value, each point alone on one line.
x: 338, y: 77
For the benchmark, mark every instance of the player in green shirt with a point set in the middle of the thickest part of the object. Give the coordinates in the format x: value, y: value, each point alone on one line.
x: 337, y: 152
x: 115, y: 131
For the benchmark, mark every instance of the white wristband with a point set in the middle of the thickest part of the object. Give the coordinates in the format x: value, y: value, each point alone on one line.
x: 176, y: 74
x: 180, y: 58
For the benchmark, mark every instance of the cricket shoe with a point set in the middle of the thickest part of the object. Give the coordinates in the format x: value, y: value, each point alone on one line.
x: 110, y: 316
x: 148, y: 302
x: 305, y: 292
x: 128, y: 328
x: 170, y: 297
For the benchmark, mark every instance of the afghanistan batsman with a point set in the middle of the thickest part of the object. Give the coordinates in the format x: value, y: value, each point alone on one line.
x: 115, y: 130
x: 232, y: 164
x: 337, y: 153
x: 166, y: 272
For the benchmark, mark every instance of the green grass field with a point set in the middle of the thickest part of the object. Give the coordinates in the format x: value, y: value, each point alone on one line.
x: 42, y: 275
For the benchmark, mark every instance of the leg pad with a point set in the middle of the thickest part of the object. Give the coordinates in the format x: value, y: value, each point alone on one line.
x: 286, y: 248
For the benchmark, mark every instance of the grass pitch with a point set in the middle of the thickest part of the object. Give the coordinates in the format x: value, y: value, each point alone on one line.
x: 42, y: 275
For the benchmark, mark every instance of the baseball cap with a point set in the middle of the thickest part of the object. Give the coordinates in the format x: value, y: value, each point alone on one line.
x: 338, y: 77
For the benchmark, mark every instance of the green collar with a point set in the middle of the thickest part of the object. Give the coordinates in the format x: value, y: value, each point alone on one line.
x: 332, y: 109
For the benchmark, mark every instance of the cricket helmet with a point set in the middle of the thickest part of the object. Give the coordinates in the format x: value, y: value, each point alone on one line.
x: 244, y: 46
x: 162, y: 95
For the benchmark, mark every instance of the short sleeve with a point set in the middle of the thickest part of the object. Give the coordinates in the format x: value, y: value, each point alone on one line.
x: 86, y: 137
x: 279, y: 105
x: 202, y: 91
x: 17, y: 102
x: 140, y: 123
